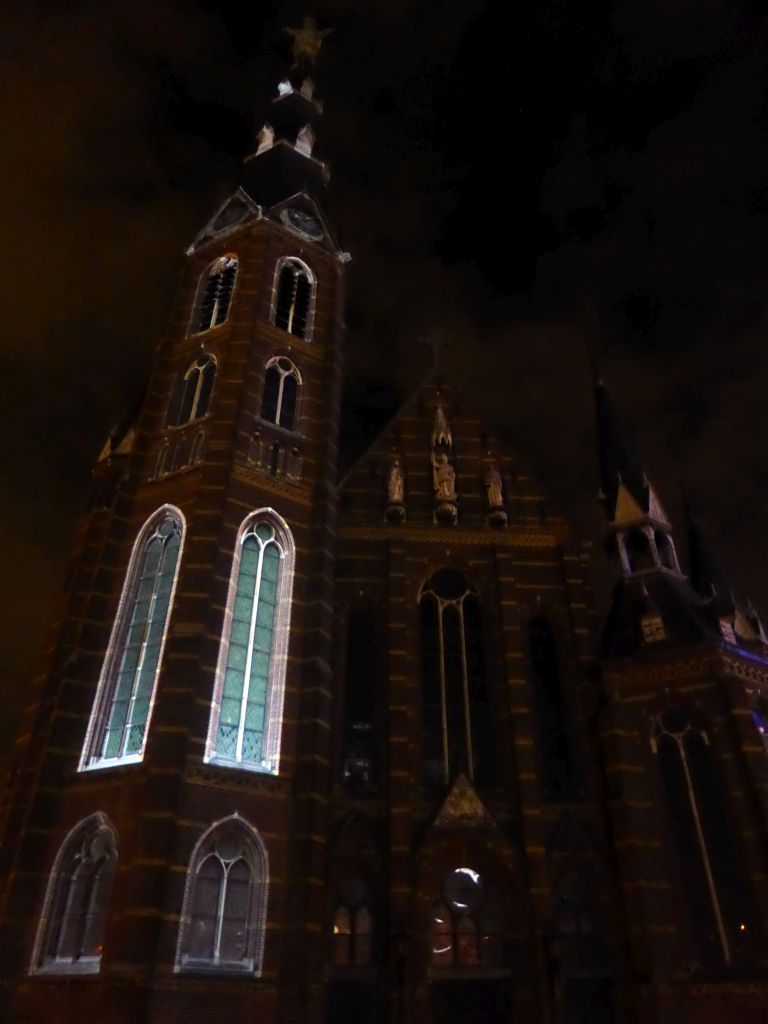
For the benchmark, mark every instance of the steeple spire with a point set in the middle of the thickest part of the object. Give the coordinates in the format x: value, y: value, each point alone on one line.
x: 284, y: 163
x: 619, y: 462
x: 640, y: 528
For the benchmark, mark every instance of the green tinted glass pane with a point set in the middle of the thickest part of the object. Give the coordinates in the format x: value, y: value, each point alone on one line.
x: 271, y: 562
x: 240, y: 632
x: 264, y: 531
x: 252, y: 746
x: 268, y: 591
x: 233, y: 683
x: 237, y: 657
x: 263, y: 638
x: 254, y: 716
x: 230, y: 710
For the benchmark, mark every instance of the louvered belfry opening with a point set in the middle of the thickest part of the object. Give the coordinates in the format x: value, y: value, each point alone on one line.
x: 294, y: 292
x: 216, y: 296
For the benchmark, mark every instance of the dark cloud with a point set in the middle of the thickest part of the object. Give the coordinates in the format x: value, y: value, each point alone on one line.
x: 538, y: 181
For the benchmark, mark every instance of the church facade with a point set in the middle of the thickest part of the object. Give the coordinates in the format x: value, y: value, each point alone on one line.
x: 313, y: 750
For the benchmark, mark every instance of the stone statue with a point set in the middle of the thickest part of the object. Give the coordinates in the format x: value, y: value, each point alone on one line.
x: 444, y: 477
x: 284, y: 88
x: 266, y: 138
x: 395, y: 484
x: 493, y: 487
x: 307, y: 41
x: 305, y: 140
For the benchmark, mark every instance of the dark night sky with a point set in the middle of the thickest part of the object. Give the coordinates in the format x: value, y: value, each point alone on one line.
x: 538, y: 181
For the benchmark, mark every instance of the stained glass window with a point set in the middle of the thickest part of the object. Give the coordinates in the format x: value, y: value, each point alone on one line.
x: 215, y: 293
x: 225, y: 902
x: 120, y: 717
x: 246, y: 719
x: 75, y: 910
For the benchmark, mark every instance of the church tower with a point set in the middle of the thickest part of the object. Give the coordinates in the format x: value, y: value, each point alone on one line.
x: 165, y: 830
x: 685, y: 673
x: 312, y: 749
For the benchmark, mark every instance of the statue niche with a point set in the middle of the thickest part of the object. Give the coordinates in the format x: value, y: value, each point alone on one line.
x: 395, y: 509
x: 494, y: 492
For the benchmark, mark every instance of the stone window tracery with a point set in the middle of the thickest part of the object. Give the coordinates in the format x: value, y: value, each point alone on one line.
x: 225, y: 902
x: 456, y: 715
x: 122, y: 707
x: 465, y: 924
x: 192, y: 392
x: 73, y: 921
x: 282, y: 383
x: 294, y: 298
x: 246, y: 717
x: 215, y: 294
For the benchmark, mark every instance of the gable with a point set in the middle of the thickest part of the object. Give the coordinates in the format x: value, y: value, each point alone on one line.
x: 486, y: 482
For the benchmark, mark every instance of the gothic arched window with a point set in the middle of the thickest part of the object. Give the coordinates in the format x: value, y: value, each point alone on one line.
x: 465, y: 926
x: 247, y: 712
x: 353, y: 926
x: 457, y: 727
x: 215, y: 294
x: 281, y: 391
x: 720, y: 922
x: 73, y: 921
x: 556, y: 756
x: 294, y: 297
x: 225, y: 902
x: 119, y: 721
x: 192, y: 392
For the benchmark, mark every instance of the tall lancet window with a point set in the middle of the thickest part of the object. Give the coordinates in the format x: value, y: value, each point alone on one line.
x: 457, y: 725
x: 215, y: 294
x: 281, y: 391
x: 710, y: 876
x: 225, y: 902
x: 117, y: 730
x: 192, y: 392
x: 294, y: 294
x: 74, y: 916
x: 246, y: 716
x: 557, y: 764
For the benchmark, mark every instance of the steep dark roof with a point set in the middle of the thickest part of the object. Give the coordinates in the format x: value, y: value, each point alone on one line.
x: 706, y: 573
x: 618, y: 458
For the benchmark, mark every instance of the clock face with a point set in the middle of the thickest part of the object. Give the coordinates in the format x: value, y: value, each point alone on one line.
x: 302, y: 223
x: 231, y: 214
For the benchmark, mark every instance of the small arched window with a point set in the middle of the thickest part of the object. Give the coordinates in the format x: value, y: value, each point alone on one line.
x: 225, y: 902
x: 353, y: 926
x: 120, y: 717
x: 73, y: 921
x: 215, y: 294
x: 281, y: 390
x: 246, y: 718
x: 294, y: 297
x: 192, y: 392
x: 458, y: 736
x: 465, y: 924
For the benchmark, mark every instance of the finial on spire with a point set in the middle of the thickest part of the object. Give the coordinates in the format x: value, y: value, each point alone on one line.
x: 307, y: 41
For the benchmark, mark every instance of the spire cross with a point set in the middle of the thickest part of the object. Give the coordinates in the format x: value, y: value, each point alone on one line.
x: 307, y: 41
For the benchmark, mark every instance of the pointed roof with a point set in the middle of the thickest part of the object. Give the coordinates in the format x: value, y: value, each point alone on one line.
x: 619, y: 462
x: 463, y: 808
